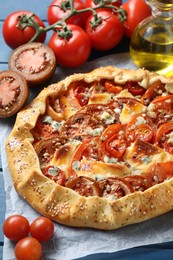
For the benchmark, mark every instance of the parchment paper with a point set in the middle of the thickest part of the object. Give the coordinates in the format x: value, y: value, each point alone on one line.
x: 72, y: 243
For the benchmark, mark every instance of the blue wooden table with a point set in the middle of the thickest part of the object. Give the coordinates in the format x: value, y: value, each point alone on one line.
x: 156, y: 251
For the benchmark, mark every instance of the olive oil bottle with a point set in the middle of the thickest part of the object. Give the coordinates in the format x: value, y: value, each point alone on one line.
x: 151, y: 45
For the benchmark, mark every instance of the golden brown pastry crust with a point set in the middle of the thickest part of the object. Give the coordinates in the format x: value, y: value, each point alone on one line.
x: 63, y: 204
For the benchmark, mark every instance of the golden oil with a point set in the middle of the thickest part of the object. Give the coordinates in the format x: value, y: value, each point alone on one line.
x: 151, y: 44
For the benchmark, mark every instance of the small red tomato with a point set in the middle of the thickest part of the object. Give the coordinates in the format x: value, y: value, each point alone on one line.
x: 16, y: 227
x: 42, y: 229
x: 28, y: 248
x: 13, y: 33
x: 70, y: 50
x: 136, y: 11
x: 107, y: 31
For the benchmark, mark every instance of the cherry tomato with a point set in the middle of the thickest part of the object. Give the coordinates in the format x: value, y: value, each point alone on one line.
x: 42, y: 229
x: 35, y: 61
x: 112, y: 142
x: 136, y: 11
x: 14, y: 92
x: 154, y: 90
x: 55, y: 174
x: 59, y: 9
x: 107, y: 33
x: 13, y: 33
x: 28, y: 248
x: 16, y: 227
x: 134, y: 88
x: 115, y: 186
x: 71, y: 52
x: 85, y: 186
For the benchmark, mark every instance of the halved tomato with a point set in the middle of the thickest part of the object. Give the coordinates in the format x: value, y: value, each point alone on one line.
x: 139, y: 128
x: 112, y: 142
x: 35, y: 61
x: 14, y: 92
x: 85, y: 186
x: 154, y: 90
x: 134, y: 88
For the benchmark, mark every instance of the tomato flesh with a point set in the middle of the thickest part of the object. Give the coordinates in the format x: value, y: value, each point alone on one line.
x: 35, y: 61
x: 14, y: 93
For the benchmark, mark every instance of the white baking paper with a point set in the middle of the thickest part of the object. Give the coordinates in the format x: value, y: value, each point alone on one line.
x: 72, y: 243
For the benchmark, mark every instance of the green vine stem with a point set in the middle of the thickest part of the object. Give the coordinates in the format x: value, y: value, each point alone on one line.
x: 28, y: 20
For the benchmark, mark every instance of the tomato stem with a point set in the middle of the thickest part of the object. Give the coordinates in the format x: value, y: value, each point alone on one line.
x: 58, y: 26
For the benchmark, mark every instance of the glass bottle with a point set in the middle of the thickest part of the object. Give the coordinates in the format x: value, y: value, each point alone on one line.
x: 151, y: 45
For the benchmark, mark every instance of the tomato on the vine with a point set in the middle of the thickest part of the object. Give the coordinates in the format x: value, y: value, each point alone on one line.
x: 16, y: 227
x: 105, y: 32
x: 136, y: 11
x: 28, y: 248
x: 93, y: 3
x: 42, y: 229
x: 14, y: 31
x: 71, y: 50
x: 59, y: 9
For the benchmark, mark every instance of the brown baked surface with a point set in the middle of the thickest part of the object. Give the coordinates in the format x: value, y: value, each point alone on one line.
x: 65, y: 205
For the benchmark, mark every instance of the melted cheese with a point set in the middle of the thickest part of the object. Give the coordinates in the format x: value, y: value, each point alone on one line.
x: 141, y: 155
x: 130, y: 109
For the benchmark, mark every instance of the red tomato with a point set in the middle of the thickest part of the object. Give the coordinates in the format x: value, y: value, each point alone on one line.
x: 59, y: 9
x: 139, y: 183
x: 55, y: 174
x: 85, y: 186
x: 16, y: 227
x: 42, y: 229
x: 136, y: 11
x: 107, y: 33
x: 28, y: 248
x: 154, y: 90
x: 12, y: 33
x: 112, y: 142
x: 164, y: 137
x: 134, y: 88
x: 71, y: 52
x: 139, y: 128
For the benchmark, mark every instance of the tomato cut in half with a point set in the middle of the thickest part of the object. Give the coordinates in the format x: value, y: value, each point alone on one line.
x: 112, y: 142
x: 112, y: 88
x: 14, y: 92
x: 85, y: 186
x: 55, y: 173
x: 35, y: 61
x: 139, y: 128
x: 134, y: 88
x: 154, y: 90
x: 117, y: 187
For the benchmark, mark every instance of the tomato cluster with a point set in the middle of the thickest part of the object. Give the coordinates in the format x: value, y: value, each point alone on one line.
x: 78, y: 27
x: 17, y: 228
